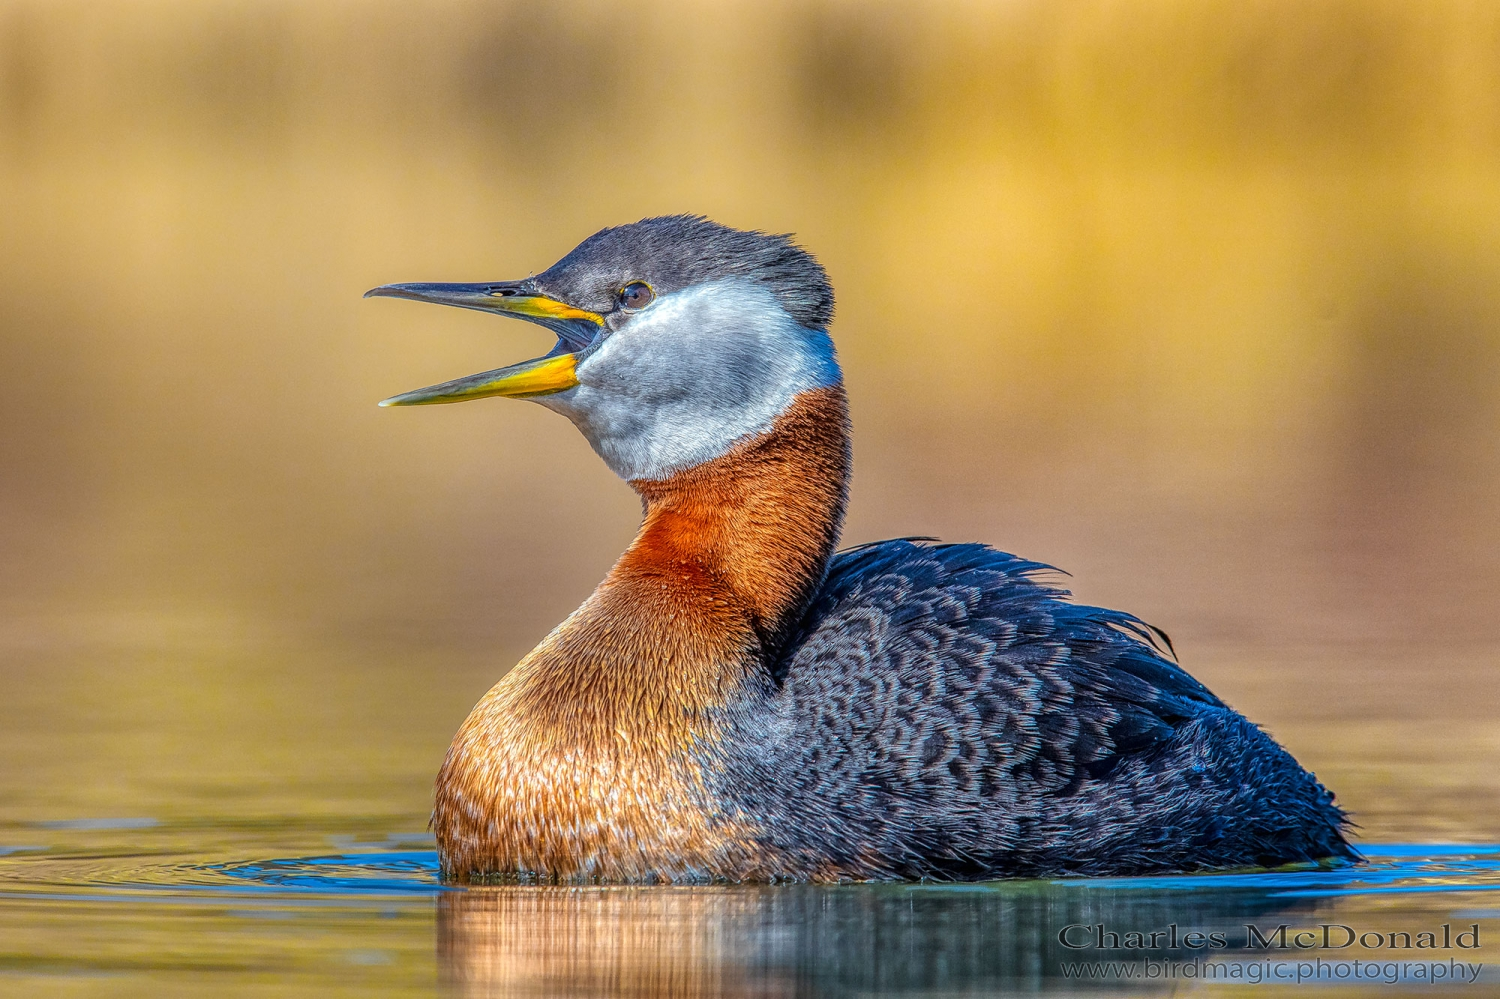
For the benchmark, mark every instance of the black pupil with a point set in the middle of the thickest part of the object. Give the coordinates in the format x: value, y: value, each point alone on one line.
x: 635, y: 295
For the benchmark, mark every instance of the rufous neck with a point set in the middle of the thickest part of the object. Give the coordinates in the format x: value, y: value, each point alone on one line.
x: 754, y: 528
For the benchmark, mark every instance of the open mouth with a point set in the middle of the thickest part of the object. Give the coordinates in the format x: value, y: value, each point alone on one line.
x: 554, y: 372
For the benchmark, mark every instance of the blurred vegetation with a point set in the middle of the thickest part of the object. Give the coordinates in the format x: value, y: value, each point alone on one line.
x: 1199, y: 300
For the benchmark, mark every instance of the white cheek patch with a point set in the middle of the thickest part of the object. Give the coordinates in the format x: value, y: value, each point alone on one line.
x: 699, y: 370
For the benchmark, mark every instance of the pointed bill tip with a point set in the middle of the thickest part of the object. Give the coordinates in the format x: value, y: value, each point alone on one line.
x: 442, y: 294
x: 543, y: 376
x: 512, y: 298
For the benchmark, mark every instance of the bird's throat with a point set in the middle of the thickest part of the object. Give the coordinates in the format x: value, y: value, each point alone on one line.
x: 754, y: 528
x: 586, y: 759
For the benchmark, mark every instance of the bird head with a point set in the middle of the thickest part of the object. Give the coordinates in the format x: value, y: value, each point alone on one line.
x: 676, y: 338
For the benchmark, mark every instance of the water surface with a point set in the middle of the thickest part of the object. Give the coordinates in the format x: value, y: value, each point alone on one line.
x: 1198, y: 300
x: 373, y: 919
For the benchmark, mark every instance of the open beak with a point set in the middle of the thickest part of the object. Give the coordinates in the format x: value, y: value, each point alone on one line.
x: 575, y: 329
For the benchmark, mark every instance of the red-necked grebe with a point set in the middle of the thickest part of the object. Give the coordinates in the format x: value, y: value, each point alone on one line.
x: 736, y: 701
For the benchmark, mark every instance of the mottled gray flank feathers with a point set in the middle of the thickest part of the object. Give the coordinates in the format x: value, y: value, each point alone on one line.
x: 678, y: 251
x: 946, y: 715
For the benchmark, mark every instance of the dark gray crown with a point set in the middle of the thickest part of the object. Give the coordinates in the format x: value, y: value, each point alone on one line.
x: 679, y: 251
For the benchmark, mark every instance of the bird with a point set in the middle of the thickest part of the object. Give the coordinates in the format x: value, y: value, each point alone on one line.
x: 739, y: 701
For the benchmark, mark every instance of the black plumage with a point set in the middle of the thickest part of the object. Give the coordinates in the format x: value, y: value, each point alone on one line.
x: 946, y: 713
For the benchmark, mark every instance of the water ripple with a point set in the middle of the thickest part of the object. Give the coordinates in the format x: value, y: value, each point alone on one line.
x: 1392, y: 868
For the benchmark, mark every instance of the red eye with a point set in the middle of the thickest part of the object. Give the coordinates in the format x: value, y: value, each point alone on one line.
x: 636, y: 295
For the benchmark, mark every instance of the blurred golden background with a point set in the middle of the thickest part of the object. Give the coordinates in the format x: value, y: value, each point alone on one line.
x: 1198, y: 300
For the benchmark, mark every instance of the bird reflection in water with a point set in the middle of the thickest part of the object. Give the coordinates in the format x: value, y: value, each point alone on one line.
x: 801, y: 939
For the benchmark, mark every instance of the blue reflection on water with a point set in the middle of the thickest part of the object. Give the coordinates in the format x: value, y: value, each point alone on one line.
x: 101, y: 824
x: 1398, y: 867
x: 399, y: 871
x: 1393, y: 867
